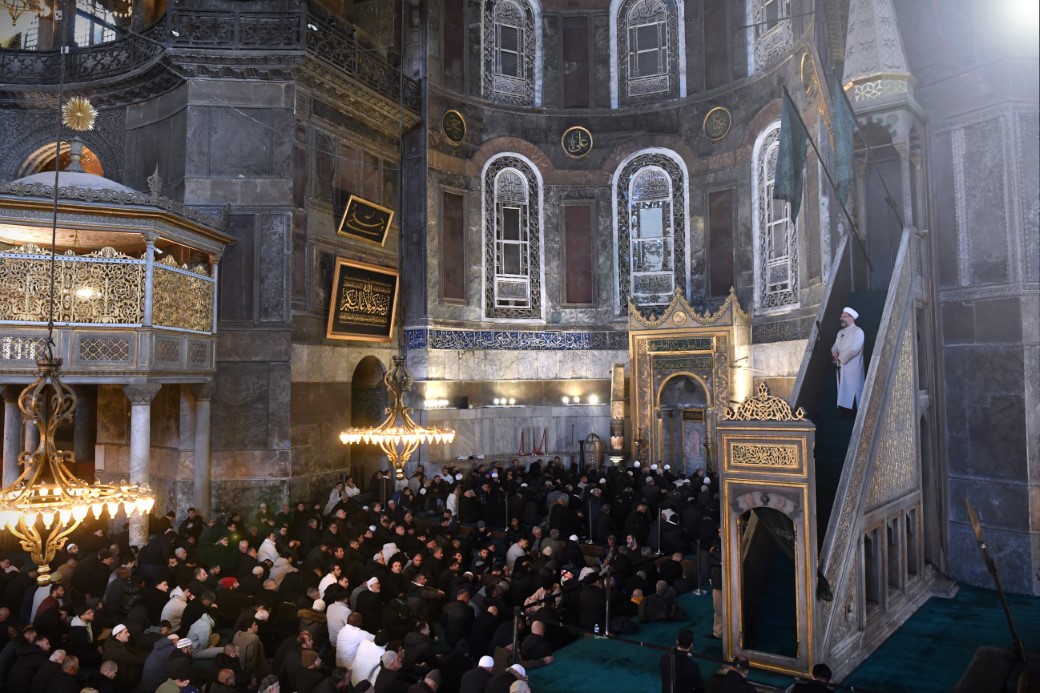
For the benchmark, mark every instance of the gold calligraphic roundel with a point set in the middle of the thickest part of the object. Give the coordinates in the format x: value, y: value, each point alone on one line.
x: 808, y: 73
x: 454, y: 127
x: 576, y: 142
x: 679, y: 318
x: 717, y: 123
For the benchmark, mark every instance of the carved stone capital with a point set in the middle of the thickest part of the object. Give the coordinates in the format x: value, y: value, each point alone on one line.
x: 142, y: 394
x: 203, y: 391
x: 11, y: 393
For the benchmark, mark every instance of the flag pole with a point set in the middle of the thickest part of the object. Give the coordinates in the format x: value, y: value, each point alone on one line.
x: 830, y: 179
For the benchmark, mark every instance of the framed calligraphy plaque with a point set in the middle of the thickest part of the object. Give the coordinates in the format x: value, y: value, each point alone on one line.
x: 363, y: 303
x: 576, y: 142
x: 365, y: 220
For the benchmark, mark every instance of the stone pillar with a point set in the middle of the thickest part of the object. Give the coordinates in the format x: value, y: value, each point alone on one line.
x: 12, y: 434
x: 84, y: 423
x: 140, y: 397
x: 203, y: 393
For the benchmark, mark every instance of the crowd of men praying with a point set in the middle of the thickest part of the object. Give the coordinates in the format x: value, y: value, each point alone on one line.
x: 456, y: 582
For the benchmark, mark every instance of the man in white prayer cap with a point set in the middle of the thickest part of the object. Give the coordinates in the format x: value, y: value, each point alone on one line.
x: 847, y: 353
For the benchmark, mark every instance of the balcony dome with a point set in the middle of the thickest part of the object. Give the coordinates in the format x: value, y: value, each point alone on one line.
x: 73, y: 179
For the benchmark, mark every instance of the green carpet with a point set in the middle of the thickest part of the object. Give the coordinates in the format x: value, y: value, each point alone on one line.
x: 594, y: 665
x: 932, y: 649
x: 935, y: 646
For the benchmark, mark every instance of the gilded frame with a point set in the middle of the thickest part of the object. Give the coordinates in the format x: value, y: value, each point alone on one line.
x: 351, y: 274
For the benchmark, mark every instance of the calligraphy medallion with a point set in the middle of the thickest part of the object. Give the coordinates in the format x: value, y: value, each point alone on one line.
x: 717, y: 123
x: 454, y: 127
x: 576, y: 142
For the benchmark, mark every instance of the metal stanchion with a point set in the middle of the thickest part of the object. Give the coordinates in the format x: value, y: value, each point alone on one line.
x: 606, y: 619
x: 517, y: 615
x: 697, y: 590
x: 589, y: 540
x: 660, y: 521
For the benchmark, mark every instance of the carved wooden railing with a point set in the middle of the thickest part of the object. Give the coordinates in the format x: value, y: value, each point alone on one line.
x: 837, y: 557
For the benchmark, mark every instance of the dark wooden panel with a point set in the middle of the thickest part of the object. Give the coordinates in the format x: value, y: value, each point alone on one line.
x: 454, y: 28
x: 575, y: 62
x: 577, y: 249
x: 716, y: 43
x: 720, y: 241
x: 453, y: 256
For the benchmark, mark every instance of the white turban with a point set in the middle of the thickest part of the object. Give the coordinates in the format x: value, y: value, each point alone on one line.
x: 850, y: 311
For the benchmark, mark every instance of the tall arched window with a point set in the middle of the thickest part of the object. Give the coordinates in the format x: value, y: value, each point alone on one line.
x: 512, y: 52
x: 646, y: 50
x: 650, y: 218
x: 770, y: 33
x: 512, y: 239
x: 776, y: 236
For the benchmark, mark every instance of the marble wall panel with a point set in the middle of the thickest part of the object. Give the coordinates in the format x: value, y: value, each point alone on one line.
x: 275, y: 252
x: 1010, y: 550
x: 258, y: 465
x: 113, y: 410
x: 1003, y: 505
x: 240, y: 407
x: 573, y: 364
x: 986, y: 208
x: 778, y: 358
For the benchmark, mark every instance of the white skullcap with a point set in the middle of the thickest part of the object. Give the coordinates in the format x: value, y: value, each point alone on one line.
x: 850, y: 311
x: 636, y: 464
x: 602, y: 481
x: 371, y: 582
x: 668, y: 467
x: 707, y: 480
x: 653, y: 466
x: 486, y: 662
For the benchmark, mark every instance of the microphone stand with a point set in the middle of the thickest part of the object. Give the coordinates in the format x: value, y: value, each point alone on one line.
x: 606, y: 623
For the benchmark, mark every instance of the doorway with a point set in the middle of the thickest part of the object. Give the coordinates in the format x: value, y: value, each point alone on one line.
x: 682, y: 424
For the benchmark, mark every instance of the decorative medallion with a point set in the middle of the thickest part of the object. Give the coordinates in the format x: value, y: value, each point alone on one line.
x: 78, y: 114
x: 808, y: 72
x: 454, y: 127
x: 763, y: 407
x: 679, y: 318
x: 576, y: 142
x: 717, y: 123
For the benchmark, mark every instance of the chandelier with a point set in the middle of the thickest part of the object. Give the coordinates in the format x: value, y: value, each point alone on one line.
x: 16, y: 8
x: 47, y: 502
x: 398, y: 435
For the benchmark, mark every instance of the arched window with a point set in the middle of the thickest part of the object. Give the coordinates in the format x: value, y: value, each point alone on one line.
x: 93, y: 23
x: 512, y: 52
x: 646, y: 51
x: 770, y: 33
x: 650, y: 218
x: 512, y: 239
x: 776, y: 236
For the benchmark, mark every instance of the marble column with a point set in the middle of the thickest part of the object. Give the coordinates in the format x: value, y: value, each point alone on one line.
x: 140, y: 397
x: 32, y: 435
x: 84, y: 423
x: 203, y: 394
x: 12, y: 434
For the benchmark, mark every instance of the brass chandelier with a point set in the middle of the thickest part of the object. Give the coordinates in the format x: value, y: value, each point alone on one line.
x: 398, y: 435
x: 47, y: 502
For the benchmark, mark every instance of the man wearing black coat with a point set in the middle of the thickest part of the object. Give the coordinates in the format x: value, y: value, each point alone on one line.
x: 476, y: 681
x: 679, y: 672
x: 457, y: 618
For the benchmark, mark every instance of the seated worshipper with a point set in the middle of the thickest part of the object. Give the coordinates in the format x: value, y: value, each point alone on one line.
x: 47, y: 671
x: 535, y: 645
x: 81, y: 642
x: 309, y: 674
x: 660, y: 605
x: 350, y: 637
x: 314, y: 622
x: 154, y: 671
x: 367, y: 659
x: 66, y: 679
x: 250, y: 649
x: 117, y: 650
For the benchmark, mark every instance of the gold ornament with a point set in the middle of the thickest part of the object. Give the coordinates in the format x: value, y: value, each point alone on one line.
x: 78, y: 114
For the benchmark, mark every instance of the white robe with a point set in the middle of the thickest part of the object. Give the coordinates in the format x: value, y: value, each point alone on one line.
x: 849, y: 346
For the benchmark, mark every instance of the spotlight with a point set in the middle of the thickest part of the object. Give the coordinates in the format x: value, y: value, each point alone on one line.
x: 593, y: 399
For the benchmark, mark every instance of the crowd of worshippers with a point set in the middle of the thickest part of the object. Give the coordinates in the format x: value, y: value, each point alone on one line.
x: 461, y: 582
